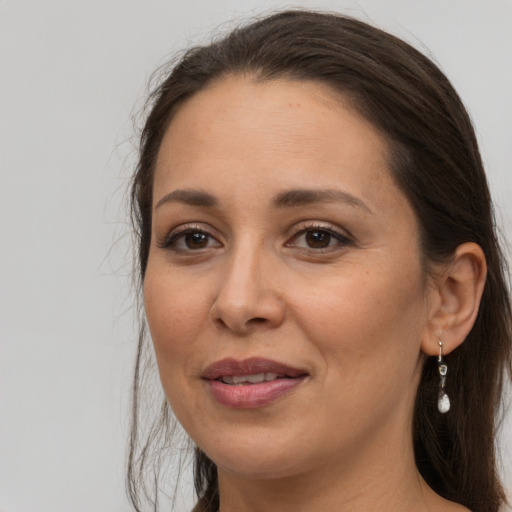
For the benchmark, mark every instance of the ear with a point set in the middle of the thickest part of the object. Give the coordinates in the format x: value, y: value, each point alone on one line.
x: 454, y: 299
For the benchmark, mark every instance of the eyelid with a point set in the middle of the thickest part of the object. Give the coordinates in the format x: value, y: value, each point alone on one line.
x: 321, y: 226
x: 168, y: 239
x: 343, y: 236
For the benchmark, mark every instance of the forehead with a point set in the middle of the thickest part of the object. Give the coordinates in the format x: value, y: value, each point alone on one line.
x: 271, y: 134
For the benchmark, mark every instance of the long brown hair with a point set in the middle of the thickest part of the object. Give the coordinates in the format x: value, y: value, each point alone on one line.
x: 436, y: 162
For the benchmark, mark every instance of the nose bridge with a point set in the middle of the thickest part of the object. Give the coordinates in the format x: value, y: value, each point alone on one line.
x: 247, y: 295
x: 244, y: 268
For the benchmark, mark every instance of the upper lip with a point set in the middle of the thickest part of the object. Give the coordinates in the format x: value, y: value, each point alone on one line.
x: 251, y: 366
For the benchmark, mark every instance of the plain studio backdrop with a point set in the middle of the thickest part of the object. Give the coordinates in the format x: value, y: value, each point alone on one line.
x: 73, y: 75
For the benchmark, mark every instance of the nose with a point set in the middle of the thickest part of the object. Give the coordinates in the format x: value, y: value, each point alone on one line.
x: 248, y: 297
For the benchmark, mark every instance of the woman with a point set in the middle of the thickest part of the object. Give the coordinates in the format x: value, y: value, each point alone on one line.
x: 321, y: 276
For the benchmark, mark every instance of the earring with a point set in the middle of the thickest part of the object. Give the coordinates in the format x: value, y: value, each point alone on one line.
x: 443, y: 402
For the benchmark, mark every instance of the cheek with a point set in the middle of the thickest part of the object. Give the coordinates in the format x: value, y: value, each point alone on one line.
x: 176, y: 313
x: 365, y: 319
x: 369, y: 342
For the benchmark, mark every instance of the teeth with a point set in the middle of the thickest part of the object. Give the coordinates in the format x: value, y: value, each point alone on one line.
x: 252, y: 379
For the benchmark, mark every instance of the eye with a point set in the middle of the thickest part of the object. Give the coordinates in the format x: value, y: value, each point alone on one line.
x: 189, y: 240
x: 318, y: 238
x: 196, y: 240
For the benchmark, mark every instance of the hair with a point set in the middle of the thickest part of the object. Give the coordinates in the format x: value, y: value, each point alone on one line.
x: 434, y: 158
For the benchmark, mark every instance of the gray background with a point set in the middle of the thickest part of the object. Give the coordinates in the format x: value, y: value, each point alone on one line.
x: 72, y: 76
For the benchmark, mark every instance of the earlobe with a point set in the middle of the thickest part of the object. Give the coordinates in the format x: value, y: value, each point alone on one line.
x: 458, y: 288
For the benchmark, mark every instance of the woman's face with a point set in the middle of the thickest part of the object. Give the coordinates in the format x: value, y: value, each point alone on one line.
x: 284, y: 289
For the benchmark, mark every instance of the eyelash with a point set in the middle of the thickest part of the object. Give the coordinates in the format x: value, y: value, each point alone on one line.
x: 170, y: 241
x: 343, y: 240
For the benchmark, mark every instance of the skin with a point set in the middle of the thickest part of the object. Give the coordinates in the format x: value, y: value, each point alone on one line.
x: 359, y: 315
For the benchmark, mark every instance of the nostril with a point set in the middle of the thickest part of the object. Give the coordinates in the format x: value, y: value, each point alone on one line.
x: 257, y: 321
x: 247, y: 312
x: 220, y: 322
x: 242, y: 327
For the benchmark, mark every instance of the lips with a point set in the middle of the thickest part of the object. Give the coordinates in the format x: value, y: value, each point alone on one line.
x: 252, y: 382
x: 233, y: 367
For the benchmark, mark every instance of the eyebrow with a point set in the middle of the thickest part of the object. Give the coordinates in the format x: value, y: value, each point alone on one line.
x: 286, y: 199
x: 303, y: 197
x: 190, y: 197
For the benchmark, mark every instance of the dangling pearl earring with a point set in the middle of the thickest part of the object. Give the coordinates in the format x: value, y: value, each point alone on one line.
x: 443, y: 402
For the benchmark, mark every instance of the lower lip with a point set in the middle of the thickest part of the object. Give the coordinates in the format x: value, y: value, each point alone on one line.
x: 251, y: 396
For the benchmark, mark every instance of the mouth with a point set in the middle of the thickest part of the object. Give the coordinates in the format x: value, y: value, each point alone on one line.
x: 250, y: 371
x: 256, y: 378
x: 252, y: 382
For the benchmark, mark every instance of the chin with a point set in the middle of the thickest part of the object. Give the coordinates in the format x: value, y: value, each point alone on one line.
x: 260, y: 466
x: 259, y: 455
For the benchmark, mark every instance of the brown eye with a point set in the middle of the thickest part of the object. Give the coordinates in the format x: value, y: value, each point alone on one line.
x: 189, y: 240
x: 318, y: 239
x: 196, y: 240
